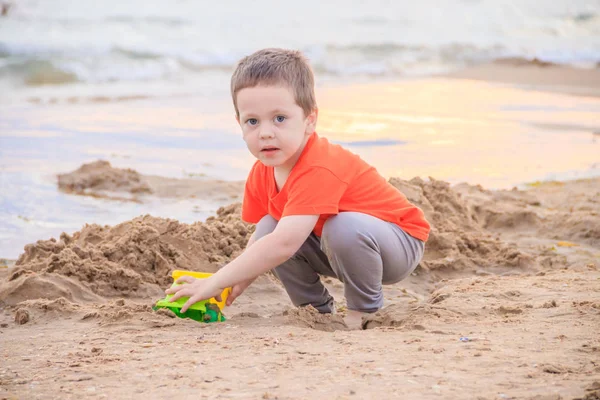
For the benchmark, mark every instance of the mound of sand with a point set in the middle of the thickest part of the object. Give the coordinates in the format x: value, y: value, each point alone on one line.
x: 106, y: 313
x: 101, y: 176
x: 134, y: 258
x: 310, y: 317
x: 458, y: 244
x: 102, y: 180
x: 563, y: 211
x: 45, y: 285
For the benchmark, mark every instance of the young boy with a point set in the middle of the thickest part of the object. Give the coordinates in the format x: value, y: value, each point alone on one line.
x: 318, y: 208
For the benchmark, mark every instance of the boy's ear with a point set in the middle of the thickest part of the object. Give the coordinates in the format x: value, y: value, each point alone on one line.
x: 312, y: 121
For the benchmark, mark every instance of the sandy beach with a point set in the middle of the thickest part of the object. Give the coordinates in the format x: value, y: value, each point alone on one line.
x: 121, y: 161
x: 504, y: 305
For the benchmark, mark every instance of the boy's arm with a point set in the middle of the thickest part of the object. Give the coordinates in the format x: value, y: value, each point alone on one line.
x: 251, y: 240
x: 260, y: 256
x: 239, y: 288
x: 269, y: 251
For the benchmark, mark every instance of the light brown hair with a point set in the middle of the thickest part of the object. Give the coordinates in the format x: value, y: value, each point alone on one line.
x: 276, y: 67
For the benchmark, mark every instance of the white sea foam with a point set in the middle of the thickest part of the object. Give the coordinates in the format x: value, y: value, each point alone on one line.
x: 63, y: 42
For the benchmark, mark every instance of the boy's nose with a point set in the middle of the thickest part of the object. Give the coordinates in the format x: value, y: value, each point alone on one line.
x: 266, y: 133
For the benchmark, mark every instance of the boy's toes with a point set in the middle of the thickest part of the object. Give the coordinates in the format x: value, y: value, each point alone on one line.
x: 354, y: 320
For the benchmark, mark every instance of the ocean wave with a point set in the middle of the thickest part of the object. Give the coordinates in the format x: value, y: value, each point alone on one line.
x: 35, y: 66
x: 37, y: 73
x: 392, y: 59
x: 48, y: 66
x: 151, y: 19
x: 198, y: 61
x: 35, y: 51
x: 584, y: 17
x: 52, y: 66
x: 451, y: 52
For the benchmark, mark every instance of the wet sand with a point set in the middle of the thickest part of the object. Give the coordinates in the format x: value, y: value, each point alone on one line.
x: 537, y: 75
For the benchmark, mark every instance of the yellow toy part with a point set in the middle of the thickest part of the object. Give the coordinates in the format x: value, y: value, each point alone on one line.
x: 203, y: 275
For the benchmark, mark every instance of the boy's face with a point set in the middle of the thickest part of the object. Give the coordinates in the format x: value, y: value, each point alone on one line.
x: 275, y: 128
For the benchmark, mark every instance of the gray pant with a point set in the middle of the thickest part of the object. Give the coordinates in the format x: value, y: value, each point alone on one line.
x: 362, y: 251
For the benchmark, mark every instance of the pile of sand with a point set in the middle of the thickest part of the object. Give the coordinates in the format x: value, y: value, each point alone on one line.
x: 110, y: 312
x: 458, y: 244
x: 541, y: 221
x: 102, y: 180
x: 310, y: 317
x: 134, y: 258
x: 556, y: 210
x: 101, y: 176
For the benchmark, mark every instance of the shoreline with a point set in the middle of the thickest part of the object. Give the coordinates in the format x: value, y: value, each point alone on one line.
x: 530, y: 74
x: 535, y: 75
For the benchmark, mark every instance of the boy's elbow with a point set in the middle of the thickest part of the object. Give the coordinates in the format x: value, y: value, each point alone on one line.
x: 288, y: 249
x: 285, y: 246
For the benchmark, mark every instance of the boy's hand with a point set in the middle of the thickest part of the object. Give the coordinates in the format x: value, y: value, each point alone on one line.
x: 196, y: 289
x: 238, y: 289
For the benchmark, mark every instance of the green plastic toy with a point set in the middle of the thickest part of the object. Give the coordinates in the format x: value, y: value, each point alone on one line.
x: 202, y: 311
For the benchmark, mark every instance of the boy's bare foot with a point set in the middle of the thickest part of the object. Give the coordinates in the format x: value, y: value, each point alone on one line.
x: 354, y: 320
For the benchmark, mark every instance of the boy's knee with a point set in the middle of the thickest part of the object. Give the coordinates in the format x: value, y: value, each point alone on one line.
x: 342, y: 232
x: 265, y: 226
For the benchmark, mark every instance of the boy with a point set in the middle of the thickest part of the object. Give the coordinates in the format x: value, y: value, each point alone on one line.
x: 318, y: 208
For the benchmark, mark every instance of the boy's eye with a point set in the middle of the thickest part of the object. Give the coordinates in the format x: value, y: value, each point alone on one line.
x: 252, y: 121
x: 280, y: 118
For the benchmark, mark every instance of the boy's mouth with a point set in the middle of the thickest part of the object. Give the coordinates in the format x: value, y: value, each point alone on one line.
x: 269, y: 149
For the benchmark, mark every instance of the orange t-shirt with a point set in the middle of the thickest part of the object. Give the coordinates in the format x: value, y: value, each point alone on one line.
x: 326, y: 180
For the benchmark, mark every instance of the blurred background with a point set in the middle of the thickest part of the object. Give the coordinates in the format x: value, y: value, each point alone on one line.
x: 498, y: 93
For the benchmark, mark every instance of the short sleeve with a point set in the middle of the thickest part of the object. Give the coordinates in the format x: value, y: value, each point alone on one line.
x: 317, y: 191
x: 253, y: 209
